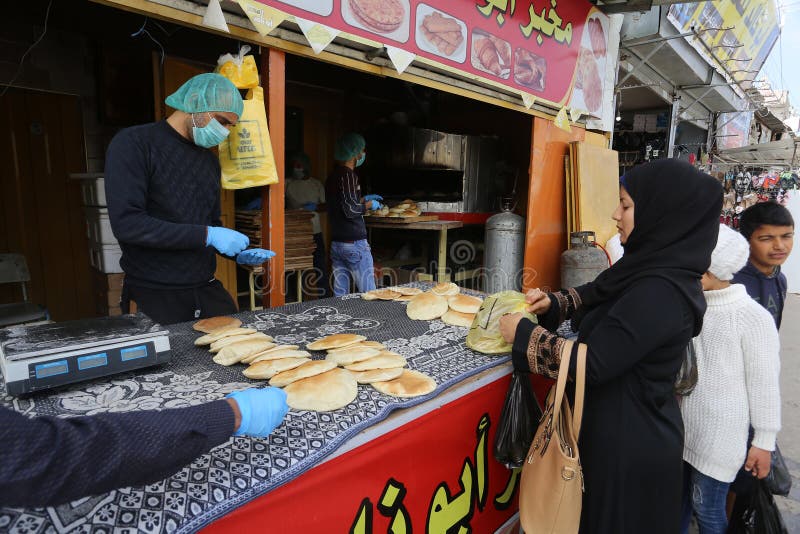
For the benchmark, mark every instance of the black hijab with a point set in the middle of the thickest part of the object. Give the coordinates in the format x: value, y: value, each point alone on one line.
x: 676, y: 222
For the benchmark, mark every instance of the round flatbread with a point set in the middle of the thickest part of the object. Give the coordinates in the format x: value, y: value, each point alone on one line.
x: 235, y: 352
x: 371, y: 344
x: 335, y: 341
x: 445, y: 289
x: 323, y: 392
x: 267, y: 369
x: 225, y: 341
x: 220, y: 333
x: 213, y: 323
x: 404, y: 298
x: 385, y: 294
x: 276, y: 348
x: 409, y: 384
x: 406, y: 291
x: 267, y: 355
x: 306, y: 370
x: 369, y: 295
x: 377, y: 375
x: 458, y: 319
x: 384, y: 360
x: 464, y: 303
x: 426, y: 307
x: 348, y: 355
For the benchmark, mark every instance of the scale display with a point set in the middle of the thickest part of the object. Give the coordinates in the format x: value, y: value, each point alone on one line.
x: 51, y: 355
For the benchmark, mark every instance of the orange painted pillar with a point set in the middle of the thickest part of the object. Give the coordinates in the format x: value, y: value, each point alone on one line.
x: 546, y: 222
x: 273, y: 73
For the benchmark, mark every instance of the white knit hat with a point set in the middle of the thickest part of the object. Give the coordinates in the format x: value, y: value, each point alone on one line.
x: 730, y: 254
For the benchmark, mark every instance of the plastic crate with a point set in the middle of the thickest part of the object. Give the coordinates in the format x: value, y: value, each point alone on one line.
x: 93, y: 188
x: 98, y: 226
x: 105, y: 258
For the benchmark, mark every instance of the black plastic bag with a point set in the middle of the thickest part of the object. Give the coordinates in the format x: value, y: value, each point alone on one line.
x: 687, y: 376
x: 778, y: 481
x: 760, y: 516
x: 518, y: 422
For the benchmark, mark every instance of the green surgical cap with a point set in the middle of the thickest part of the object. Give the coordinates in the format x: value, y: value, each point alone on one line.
x: 348, y: 146
x: 207, y: 92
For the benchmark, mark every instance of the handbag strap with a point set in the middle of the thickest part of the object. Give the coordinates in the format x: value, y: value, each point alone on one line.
x: 561, y: 382
x: 580, y: 386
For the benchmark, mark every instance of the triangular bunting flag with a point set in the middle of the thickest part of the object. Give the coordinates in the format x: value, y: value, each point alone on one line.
x: 528, y: 100
x: 214, y: 17
x: 575, y: 114
x: 263, y: 17
x: 401, y: 59
x: 318, y: 36
x: 562, y: 121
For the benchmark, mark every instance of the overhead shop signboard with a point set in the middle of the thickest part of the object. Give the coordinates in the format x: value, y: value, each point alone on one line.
x: 741, y: 33
x: 735, y: 129
x: 544, y: 50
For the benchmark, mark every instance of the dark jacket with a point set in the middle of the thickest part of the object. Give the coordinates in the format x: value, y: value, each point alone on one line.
x: 162, y: 191
x: 769, y: 291
x: 51, y: 460
x: 345, y: 210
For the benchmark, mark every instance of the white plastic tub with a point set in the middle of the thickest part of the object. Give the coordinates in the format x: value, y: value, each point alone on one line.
x: 105, y: 258
x: 93, y: 188
x: 98, y: 226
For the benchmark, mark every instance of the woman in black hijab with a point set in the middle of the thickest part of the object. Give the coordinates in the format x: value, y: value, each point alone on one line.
x: 636, y: 319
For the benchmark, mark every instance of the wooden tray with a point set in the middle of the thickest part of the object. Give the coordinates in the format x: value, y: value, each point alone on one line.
x: 401, y: 220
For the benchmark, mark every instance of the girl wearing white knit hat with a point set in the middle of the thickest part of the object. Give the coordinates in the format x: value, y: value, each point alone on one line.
x: 738, y: 367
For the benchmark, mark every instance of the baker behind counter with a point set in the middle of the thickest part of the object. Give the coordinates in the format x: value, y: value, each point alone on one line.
x: 163, y: 187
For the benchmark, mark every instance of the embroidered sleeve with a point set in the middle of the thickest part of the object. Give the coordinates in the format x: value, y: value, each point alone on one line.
x: 568, y: 300
x: 544, y: 352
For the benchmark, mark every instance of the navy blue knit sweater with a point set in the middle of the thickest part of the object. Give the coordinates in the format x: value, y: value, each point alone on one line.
x: 769, y: 291
x: 49, y: 460
x: 345, y: 210
x: 162, y: 192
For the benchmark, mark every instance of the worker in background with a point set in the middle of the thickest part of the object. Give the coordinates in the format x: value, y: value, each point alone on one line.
x: 350, y: 252
x: 163, y: 191
x: 51, y: 460
x: 303, y: 191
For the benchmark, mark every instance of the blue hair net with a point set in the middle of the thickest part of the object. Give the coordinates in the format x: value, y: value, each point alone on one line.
x: 348, y: 146
x: 207, y: 92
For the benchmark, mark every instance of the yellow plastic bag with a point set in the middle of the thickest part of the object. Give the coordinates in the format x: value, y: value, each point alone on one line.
x: 240, y: 69
x: 246, y: 154
x: 484, y: 334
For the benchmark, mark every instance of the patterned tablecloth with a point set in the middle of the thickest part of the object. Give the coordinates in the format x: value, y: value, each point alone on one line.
x: 243, y: 468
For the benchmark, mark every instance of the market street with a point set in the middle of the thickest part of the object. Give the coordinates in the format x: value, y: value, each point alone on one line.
x: 789, y: 436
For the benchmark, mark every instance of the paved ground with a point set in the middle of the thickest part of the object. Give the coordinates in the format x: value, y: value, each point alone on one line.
x: 789, y: 437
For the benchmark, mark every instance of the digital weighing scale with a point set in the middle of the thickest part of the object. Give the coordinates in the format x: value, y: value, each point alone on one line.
x: 44, y: 356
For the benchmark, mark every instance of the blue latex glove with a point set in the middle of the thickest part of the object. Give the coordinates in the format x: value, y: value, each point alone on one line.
x: 226, y: 241
x: 375, y: 205
x: 254, y: 204
x: 373, y: 197
x: 254, y: 256
x: 262, y: 410
x: 310, y: 206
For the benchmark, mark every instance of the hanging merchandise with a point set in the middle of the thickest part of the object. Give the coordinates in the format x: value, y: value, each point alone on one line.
x: 246, y: 154
x: 239, y: 69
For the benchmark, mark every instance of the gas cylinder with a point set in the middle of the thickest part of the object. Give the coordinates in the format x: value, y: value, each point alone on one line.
x: 583, y: 261
x: 504, y: 250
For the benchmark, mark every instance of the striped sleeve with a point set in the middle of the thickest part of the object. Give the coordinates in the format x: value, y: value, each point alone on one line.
x: 351, y: 201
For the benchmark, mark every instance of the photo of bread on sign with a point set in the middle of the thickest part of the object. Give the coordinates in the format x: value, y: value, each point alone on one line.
x: 441, y: 34
x: 491, y: 54
x: 388, y: 18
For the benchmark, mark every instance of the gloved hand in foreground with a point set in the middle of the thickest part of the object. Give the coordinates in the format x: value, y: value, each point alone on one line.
x: 226, y: 241
x: 254, y: 256
x: 374, y: 205
x: 373, y: 197
x: 261, y: 409
x: 310, y: 206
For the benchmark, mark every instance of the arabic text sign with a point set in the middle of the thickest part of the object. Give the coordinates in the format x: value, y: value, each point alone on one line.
x: 544, y: 48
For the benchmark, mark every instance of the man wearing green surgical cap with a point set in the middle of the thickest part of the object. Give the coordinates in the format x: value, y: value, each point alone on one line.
x: 162, y: 187
x: 350, y: 251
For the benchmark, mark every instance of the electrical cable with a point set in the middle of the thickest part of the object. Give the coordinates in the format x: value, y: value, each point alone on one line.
x: 143, y: 30
x: 31, y: 47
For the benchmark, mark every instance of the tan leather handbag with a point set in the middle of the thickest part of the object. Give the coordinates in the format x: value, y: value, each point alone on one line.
x: 551, y: 488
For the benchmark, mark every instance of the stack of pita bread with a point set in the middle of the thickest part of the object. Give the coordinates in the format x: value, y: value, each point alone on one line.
x: 406, y: 208
x: 392, y: 293
x: 444, y: 301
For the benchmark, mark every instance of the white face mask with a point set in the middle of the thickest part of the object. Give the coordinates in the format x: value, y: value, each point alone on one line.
x: 298, y: 173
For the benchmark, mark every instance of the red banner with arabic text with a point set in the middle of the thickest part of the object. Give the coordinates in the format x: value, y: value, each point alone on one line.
x: 544, y: 48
